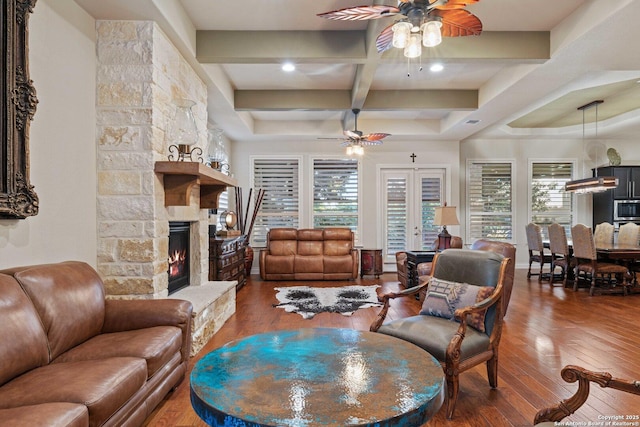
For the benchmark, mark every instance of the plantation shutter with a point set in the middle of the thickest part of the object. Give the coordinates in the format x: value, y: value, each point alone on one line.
x: 279, y: 178
x: 549, y: 202
x: 335, y: 193
x: 489, y: 195
x: 396, y: 215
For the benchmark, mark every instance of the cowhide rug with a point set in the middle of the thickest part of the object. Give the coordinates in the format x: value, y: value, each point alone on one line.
x: 308, y: 301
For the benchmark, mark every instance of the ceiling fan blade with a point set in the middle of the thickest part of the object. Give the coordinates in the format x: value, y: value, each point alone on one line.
x: 455, y: 4
x: 459, y: 23
x: 360, y: 13
x: 384, y: 39
x: 374, y: 138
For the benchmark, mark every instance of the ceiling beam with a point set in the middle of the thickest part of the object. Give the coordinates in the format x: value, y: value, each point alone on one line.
x: 340, y: 100
x: 356, y: 47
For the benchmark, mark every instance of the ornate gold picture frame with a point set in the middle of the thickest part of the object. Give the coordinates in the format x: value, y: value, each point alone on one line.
x: 18, y: 199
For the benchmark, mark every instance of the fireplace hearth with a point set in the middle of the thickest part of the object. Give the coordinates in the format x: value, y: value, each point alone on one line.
x: 179, y: 255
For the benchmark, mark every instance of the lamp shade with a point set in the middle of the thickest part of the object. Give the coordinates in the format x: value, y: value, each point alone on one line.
x: 401, y: 32
x: 431, y: 35
x: 445, y: 215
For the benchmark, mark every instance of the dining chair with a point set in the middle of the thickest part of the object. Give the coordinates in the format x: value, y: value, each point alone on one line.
x: 460, y: 322
x: 536, y: 250
x: 551, y: 416
x: 560, y: 254
x: 589, y: 268
x: 629, y: 234
x: 603, y: 234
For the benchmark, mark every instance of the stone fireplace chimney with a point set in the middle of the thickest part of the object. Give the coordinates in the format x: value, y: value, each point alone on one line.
x: 140, y: 76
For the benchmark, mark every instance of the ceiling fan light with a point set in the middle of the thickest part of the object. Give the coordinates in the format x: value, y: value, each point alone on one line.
x: 414, y: 48
x: 431, y: 34
x: 358, y: 150
x: 401, y: 32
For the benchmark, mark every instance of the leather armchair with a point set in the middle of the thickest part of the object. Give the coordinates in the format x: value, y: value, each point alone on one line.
x: 507, y: 250
x: 456, y: 345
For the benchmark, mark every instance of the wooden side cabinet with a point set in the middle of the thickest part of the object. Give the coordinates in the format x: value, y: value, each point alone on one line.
x: 370, y: 262
x: 226, y: 259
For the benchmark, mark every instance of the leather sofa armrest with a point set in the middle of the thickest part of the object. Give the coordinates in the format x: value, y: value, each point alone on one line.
x: 125, y: 315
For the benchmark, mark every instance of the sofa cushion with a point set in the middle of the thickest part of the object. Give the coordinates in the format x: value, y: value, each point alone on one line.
x: 156, y: 345
x: 443, y: 298
x: 279, y: 264
x: 71, y: 319
x: 310, y: 234
x: 310, y: 247
x: 24, y: 342
x: 103, y: 386
x: 283, y: 247
x: 338, y: 264
x: 57, y: 414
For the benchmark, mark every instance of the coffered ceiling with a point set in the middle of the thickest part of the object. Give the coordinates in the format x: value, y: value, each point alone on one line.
x: 534, y: 64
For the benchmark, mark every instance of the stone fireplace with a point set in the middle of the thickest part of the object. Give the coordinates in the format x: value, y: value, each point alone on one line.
x: 140, y: 75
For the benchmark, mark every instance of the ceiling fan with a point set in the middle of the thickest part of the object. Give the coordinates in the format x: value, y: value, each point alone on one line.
x: 355, y: 138
x: 434, y: 18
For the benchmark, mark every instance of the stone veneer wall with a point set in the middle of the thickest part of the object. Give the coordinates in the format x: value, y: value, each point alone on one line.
x: 140, y: 73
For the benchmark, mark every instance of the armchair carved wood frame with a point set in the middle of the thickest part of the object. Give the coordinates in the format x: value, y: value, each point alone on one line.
x: 456, y: 359
x: 584, y: 377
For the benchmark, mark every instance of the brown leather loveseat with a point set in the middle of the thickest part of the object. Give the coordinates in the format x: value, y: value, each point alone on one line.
x: 309, y: 254
x: 69, y: 357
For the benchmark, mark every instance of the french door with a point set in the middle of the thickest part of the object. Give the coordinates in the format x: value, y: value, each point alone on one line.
x: 410, y: 197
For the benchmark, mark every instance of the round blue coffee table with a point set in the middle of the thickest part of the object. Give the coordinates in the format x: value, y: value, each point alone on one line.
x: 317, y: 377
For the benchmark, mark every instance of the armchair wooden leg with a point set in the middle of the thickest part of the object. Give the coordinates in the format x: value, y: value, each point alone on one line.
x: 452, y: 394
x: 492, y: 371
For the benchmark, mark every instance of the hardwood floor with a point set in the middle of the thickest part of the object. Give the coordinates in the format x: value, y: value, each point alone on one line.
x: 545, y: 329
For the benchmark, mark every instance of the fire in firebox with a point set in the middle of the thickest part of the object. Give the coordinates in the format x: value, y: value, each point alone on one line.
x: 177, y: 262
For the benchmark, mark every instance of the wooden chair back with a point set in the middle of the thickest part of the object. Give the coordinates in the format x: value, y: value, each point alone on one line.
x: 558, y: 240
x: 603, y: 234
x: 584, y: 246
x: 534, y: 237
x: 629, y: 234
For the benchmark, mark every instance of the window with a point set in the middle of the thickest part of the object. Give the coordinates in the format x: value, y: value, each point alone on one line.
x: 279, y: 177
x: 489, y: 194
x: 335, y: 193
x: 549, y: 202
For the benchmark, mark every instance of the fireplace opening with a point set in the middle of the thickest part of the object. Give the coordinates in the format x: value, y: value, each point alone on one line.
x: 179, y: 268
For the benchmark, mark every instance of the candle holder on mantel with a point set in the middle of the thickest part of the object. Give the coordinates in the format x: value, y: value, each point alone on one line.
x: 216, y: 153
x: 183, y: 133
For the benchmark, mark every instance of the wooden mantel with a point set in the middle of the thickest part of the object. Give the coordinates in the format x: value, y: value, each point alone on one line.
x: 180, y: 177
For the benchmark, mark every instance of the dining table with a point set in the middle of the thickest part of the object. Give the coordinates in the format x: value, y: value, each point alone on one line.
x: 613, y: 251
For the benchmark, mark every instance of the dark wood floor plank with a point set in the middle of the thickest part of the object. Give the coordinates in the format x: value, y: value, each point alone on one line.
x: 545, y: 329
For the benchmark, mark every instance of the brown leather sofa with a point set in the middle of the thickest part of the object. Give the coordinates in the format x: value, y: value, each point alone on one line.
x: 309, y: 254
x: 72, y: 358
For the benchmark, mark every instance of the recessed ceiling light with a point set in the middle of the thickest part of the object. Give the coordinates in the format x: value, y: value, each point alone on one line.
x: 436, y: 68
x: 288, y: 67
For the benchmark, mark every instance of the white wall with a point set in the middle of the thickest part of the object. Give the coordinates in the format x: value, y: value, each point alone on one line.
x: 524, y: 151
x: 433, y: 154
x: 62, y: 145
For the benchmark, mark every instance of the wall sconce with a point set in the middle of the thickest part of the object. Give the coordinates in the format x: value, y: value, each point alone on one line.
x: 183, y: 133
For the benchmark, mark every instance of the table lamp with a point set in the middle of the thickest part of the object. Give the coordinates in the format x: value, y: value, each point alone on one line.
x: 445, y: 215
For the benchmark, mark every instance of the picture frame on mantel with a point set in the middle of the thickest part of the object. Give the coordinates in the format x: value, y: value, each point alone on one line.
x: 18, y: 199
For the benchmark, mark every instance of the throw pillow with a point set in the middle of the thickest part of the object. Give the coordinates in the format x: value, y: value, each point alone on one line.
x: 443, y: 298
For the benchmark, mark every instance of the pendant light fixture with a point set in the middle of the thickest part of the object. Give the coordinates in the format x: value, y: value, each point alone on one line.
x: 595, y: 184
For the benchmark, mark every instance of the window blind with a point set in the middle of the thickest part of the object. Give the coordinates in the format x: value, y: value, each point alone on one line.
x: 281, y: 203
x: 489, y: 194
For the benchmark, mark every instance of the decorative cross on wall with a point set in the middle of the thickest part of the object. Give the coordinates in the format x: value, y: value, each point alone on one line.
x: 413, y: 157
